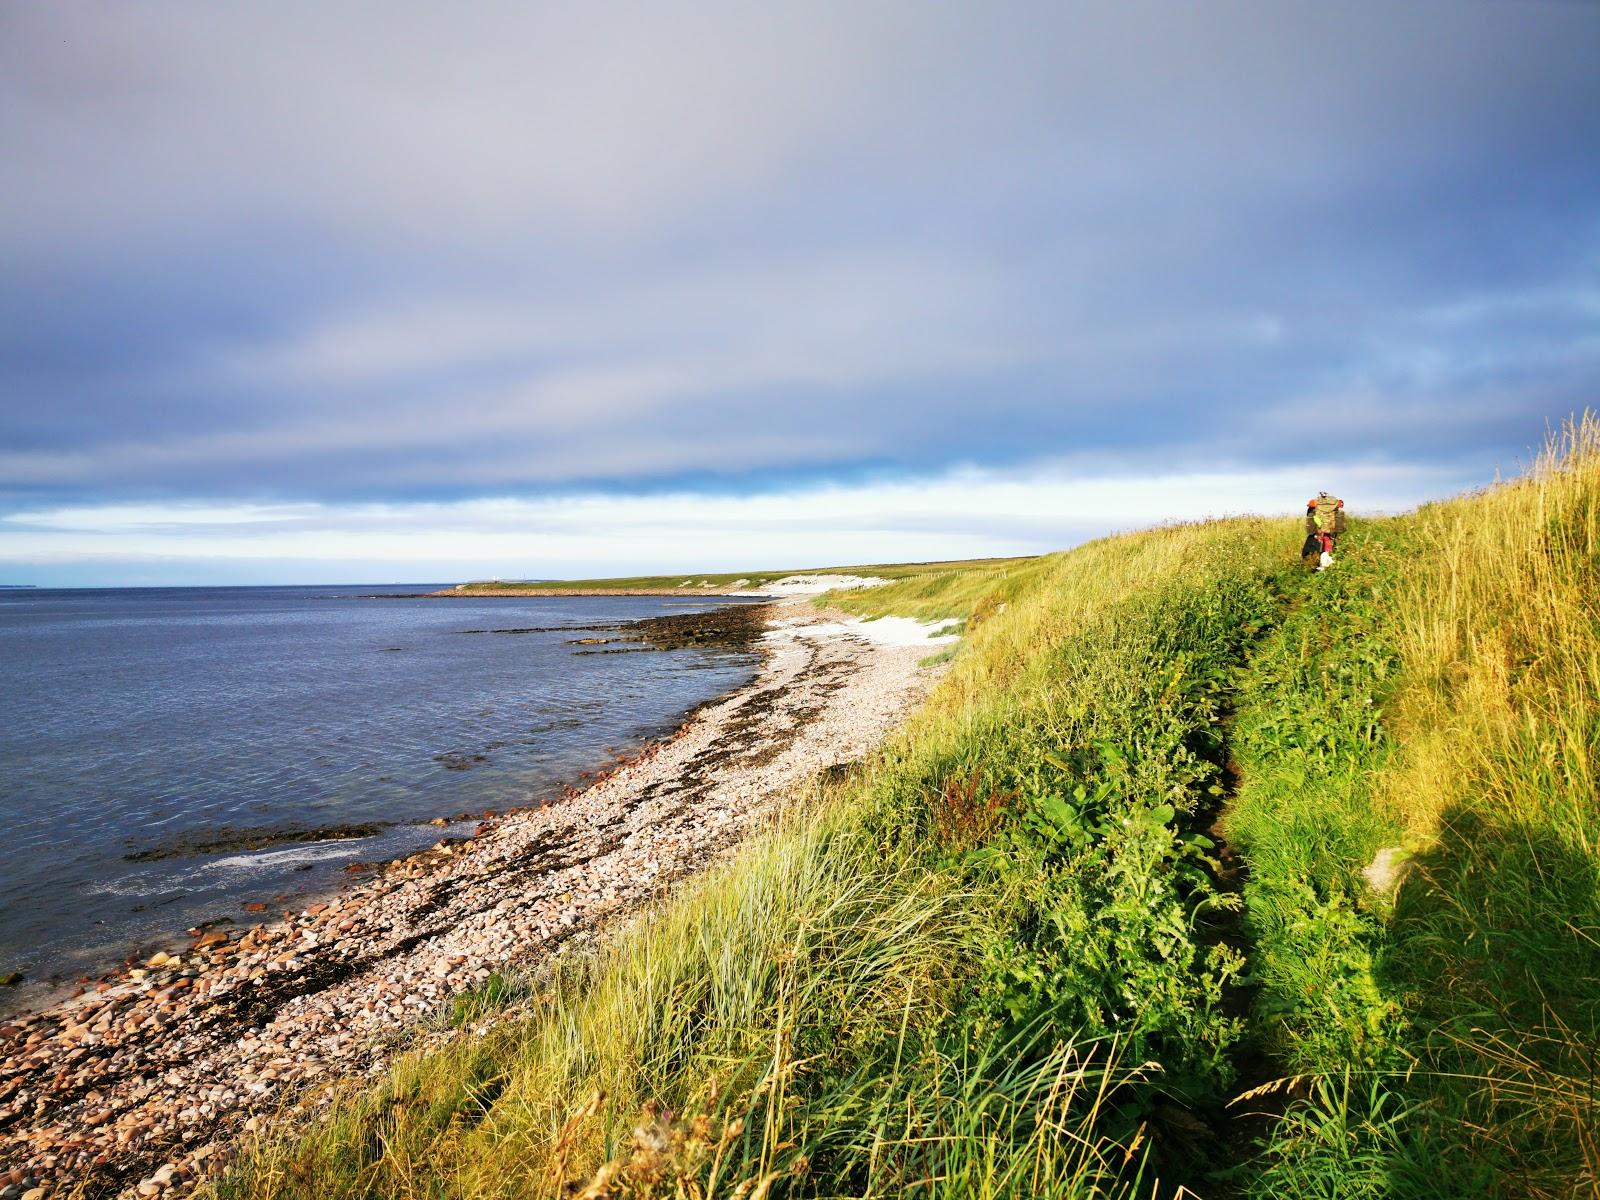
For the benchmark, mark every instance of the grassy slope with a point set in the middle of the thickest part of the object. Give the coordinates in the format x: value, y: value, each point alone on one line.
x: 1440, y: 696
x: 999, y: 960
x: 752, y: 578
x: 972, y: 594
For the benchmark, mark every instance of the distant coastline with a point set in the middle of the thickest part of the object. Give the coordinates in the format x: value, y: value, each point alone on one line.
x: 470, y: 590
x: 754, y: 584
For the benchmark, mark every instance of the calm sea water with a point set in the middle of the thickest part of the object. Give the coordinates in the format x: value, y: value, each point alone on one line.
x: 149, y: 736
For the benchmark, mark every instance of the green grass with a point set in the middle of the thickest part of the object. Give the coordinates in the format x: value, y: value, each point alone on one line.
x: 973, y: 593
x: 1437, y: 695
x: 921, y: 985
x: 753, y: 579
x: 1008, y: 957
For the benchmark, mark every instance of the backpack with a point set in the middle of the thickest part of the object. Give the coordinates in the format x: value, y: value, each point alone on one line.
x: 1329, y: 514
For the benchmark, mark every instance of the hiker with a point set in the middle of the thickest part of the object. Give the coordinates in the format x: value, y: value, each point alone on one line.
x: 1324, y: 524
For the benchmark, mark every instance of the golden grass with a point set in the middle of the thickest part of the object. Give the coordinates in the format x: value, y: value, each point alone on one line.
x: 1469, y: 996
x: 1499, y: 627
x: 1497, y: 788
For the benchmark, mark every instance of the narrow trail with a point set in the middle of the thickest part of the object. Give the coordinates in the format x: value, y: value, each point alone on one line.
x: 1241, y: 1127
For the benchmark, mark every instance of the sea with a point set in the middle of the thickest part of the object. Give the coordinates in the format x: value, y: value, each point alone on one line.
x: 170, y: 756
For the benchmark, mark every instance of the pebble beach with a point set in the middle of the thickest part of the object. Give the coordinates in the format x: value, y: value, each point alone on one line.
x: 143, y: 1085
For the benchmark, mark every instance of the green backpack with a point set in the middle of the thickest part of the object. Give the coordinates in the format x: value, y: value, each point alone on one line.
x: 1329, y: 514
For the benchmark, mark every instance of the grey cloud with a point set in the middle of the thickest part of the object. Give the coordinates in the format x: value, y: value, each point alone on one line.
x: 400, y: 114
x: 313, y: 250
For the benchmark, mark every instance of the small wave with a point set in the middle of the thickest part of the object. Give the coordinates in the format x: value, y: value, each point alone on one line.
x: 280, y: 858
x: 128, y: 885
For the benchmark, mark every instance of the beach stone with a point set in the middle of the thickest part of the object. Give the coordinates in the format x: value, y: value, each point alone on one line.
x: 1388, y: 869
x: 551, y: 876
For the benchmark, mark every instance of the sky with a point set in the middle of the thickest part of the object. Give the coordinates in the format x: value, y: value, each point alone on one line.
x: 345, y: 292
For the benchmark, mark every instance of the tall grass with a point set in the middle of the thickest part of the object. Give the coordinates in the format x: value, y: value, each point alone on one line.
x: 1006, y: 958
x: 1438, y: 698
x: 700, y: 1009
x: 883, y: 997
x: 770, y: 1028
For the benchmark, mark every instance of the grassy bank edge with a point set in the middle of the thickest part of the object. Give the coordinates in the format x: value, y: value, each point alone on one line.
x: 1005, y: 959
x: 925, y: 1062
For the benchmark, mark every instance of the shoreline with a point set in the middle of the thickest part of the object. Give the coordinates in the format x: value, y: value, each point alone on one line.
x: 363, y: 845
x: 163, y: 1067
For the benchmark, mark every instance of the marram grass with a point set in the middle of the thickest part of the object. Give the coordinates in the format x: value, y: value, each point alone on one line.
x: 1008, y: 957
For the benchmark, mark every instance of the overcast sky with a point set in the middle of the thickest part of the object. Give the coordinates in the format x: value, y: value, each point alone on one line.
x: 340, y: 291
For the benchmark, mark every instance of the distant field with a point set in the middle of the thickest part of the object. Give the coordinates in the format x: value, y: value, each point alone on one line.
x: 728, y: 579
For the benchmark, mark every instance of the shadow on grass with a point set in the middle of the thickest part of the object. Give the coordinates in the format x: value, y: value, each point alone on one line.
x: 1495, y: 952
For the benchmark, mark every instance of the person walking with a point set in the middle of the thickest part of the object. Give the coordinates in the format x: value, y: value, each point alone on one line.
x: 1324, y: 524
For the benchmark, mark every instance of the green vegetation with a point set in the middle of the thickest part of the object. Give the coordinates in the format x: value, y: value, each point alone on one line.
x: 1013, y: 956
x: 752, y: 579
x: 1436, y: 698
x: 488, y: 999
x: 973, y: 594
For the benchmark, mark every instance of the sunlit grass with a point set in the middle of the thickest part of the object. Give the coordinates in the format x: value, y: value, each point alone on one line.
x: 1439, y: 695
x: 826, y: 993
x: 997, y: 961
